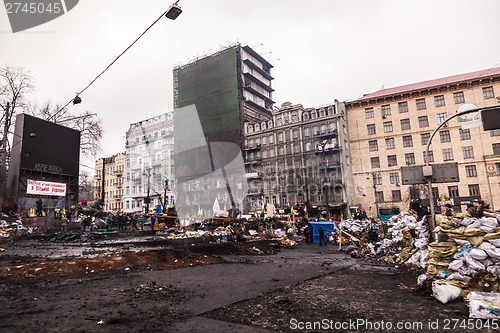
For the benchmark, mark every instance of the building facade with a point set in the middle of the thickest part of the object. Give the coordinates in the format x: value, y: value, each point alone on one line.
x: 149, y: 164
x: 390, y: 129
x: 108, y: 182
x: 300, y: 155
x: 225, y: 89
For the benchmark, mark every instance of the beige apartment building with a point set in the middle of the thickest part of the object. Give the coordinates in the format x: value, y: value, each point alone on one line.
x: 389, y: 129
x: 108, y: 182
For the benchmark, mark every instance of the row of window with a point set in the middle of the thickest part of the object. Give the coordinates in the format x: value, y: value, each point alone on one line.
x: 444, y: 136
x: 420, y: 103
x: 453, y: 192
x: 283, y: 136
x: 409, y: 158
x: 423, y: 121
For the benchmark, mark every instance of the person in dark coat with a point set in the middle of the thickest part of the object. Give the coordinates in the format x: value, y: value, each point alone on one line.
x: 448, y: 211
x: 321, y: 232
x: 479, y: 204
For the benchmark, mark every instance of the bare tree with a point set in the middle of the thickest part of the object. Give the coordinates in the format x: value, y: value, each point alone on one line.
x: 85, y: 186
x: 15, y: 84
x: 88, y: 124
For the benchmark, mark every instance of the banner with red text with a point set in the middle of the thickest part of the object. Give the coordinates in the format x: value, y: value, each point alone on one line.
x: 46, y: 188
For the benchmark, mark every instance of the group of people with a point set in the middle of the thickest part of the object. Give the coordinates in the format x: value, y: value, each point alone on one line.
x: 476, y: 209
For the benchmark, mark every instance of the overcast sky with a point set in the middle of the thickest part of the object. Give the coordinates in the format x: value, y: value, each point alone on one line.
x: 321, y: 49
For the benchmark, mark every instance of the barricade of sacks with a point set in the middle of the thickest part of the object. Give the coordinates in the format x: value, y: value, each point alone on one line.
x: 466, y: 258
x: 406, y: 241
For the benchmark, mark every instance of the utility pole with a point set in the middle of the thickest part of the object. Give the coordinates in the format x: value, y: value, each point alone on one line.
x: 103, y: 193
x: 3, y: 171
x: 148, y: 174
x: 165, y: 189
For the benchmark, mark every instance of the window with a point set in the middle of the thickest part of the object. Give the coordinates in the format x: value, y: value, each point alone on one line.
x: 373, y: 145
x: 394, y: 178
x: 389, y: 143
x: 495, y: 132
x: 447, y: 154
x: 369, y: 113
x: 405, y: 124
x: 375, y: 161
x: 458, y: 97
x: 377, y: 179
x: 421, y: 104
x: 496, y: 148
x: 409, y: 158
x: 407, y: 141
x: 470, y: 171
x: 498, y: 168
x: 488, y: 92
x: 387, y: 126
x: 379, y: 196
x: 386, y: 110
x: 464, y: 134
x: 474, y: 190
x: 439, y: 100
x: 424, y: 138
x: 468, y: 152
x: 453, y: 191
x: 431, y: 156
x: 371, y: 129
x: 392, y: 160
x: 423, y: 121
x: 403, y: 107
x: 441, y: 117
x: 396, y: 195
x: 444, y: 136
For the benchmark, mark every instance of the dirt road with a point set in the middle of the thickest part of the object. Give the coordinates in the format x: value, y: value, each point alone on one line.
x: 148, y: 285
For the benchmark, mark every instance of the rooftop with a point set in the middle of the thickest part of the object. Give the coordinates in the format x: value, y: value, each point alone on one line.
x: 432, y: 83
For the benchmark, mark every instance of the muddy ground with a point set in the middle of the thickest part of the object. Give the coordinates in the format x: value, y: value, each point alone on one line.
x: 145, y: 283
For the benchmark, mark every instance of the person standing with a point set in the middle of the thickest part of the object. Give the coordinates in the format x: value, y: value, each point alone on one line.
x: 64, y: 223
x: 153, y: 221
x: 321, y: 232
x: 143, y: 220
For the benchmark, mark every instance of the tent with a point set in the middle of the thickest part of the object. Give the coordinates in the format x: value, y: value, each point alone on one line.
x: 328, y: 226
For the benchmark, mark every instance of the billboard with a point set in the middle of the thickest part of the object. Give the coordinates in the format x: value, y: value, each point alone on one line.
x: 47, y: 147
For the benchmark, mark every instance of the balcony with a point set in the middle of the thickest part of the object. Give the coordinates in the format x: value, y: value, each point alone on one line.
x: 255, y: 161
x: 255, y: 191
x: 253, y: 147
x: 326, y: 135
x: 254, y: 175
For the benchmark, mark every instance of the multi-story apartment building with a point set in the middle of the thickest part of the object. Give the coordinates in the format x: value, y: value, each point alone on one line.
x: 227, y: 88
x: 390, y: 128
x: 300, y: 155
x: 149, y: 164
x: 108, y: 182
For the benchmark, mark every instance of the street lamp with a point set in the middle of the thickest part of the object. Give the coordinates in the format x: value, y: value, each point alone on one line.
x: 427, y: 169
x: 174, y: 11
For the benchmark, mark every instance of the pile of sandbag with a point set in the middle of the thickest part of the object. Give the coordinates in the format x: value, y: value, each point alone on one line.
x: 467, y: 258
x: 406, y: 241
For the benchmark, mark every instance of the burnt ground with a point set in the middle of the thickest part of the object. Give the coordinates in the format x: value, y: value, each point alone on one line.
x: 148, y: 284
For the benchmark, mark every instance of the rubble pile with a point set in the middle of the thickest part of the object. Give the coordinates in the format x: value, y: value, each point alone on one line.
x: 464, y: 261
x: 12, y: 226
